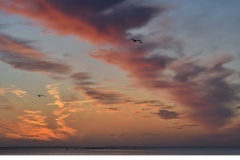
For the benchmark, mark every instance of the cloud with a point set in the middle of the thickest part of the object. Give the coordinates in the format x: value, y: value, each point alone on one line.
x: 34, y: 117
x: 105, y: 22
x: 3, y: 90
x: 203, y: 89
x: 138, y: 64
x: 32, y: 64
x: 81, y: 79
x: 35, y: 125
x: 18, y: 46
x: 105, y: 97
x: 13, y: 89
x: 113, y: 110
x: 19, y: 93
x: 63, y: 112
x: 32, y: 125
x: 148, y: 102
x: 22, y: 56
x: 183, y: 126
x: 210, y: 98
x: 166, y: 114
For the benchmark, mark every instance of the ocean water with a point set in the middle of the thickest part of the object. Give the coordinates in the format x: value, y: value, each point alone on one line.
x: 142, y: 151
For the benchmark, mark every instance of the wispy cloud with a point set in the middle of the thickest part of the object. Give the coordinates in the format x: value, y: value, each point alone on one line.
x: 113, y: 110
x: 13, y: 89
x: 82, y: 79
x: 166, y: 114
x: 63, y: 112
x: 182, y: 126
x: 18, y: 46
x: 105, y: 97
x: 34, y: 124
x: 34, y: 117
x: 19, y: 92
x: 52, y: 90
x: 31, y: 125
x: 21, y: 55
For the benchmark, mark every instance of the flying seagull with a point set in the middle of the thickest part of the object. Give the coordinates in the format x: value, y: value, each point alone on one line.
x: 39, y: 95
x: 135, y: 40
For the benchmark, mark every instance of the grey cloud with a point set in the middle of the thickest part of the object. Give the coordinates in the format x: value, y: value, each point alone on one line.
x: 120, y: 17
x: 105, y: 97
x: 166, y: 114
x: 21, y: 55
x: 206, y: 89
x: 113, y: 109
x: 148, y: 102
x: 82, y: 79
x: 31, y: 64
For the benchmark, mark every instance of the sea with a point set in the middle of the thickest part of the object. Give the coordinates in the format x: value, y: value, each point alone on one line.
x: 119, y: 151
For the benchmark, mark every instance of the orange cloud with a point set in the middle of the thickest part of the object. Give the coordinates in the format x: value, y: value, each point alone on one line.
x: 13, y: 89
x: 90, y: 20
x: 32, y: 125
x: 19, y: 92
x: 64, y: 110
x: 11, y: 44
x: 35, y: 125
x: 3, y: 90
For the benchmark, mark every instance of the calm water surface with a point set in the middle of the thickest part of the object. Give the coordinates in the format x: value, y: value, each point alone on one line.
x: 146, y: 151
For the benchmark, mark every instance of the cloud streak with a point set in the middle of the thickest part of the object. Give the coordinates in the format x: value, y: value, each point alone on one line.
x: 99, y: 22
x: 105, y: 97
x: 32, y: 125
x: 166, y: 114
x: 22, y: 56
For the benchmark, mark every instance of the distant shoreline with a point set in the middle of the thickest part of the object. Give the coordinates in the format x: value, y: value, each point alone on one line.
x: 110, y: 147
x: 70, y: 150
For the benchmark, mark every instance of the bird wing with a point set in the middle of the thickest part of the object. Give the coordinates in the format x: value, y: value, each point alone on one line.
x: 140, y: 41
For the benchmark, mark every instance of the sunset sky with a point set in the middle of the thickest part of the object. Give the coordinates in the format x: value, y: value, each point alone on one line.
x: 180, y: 87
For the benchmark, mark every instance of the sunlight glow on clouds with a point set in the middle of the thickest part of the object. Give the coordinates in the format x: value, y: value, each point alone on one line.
x: 199, y: 90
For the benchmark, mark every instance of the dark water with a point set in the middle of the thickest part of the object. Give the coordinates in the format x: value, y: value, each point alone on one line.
x: 142, y: 151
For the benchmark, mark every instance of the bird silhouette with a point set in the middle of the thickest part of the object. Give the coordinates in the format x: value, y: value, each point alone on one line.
x: 40, y: 95
x: 135, y: 40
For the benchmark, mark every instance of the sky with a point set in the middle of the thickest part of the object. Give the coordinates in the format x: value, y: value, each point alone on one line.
x: 179, y: 88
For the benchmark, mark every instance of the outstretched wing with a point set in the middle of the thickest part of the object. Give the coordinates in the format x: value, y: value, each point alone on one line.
x: 140, y: 41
